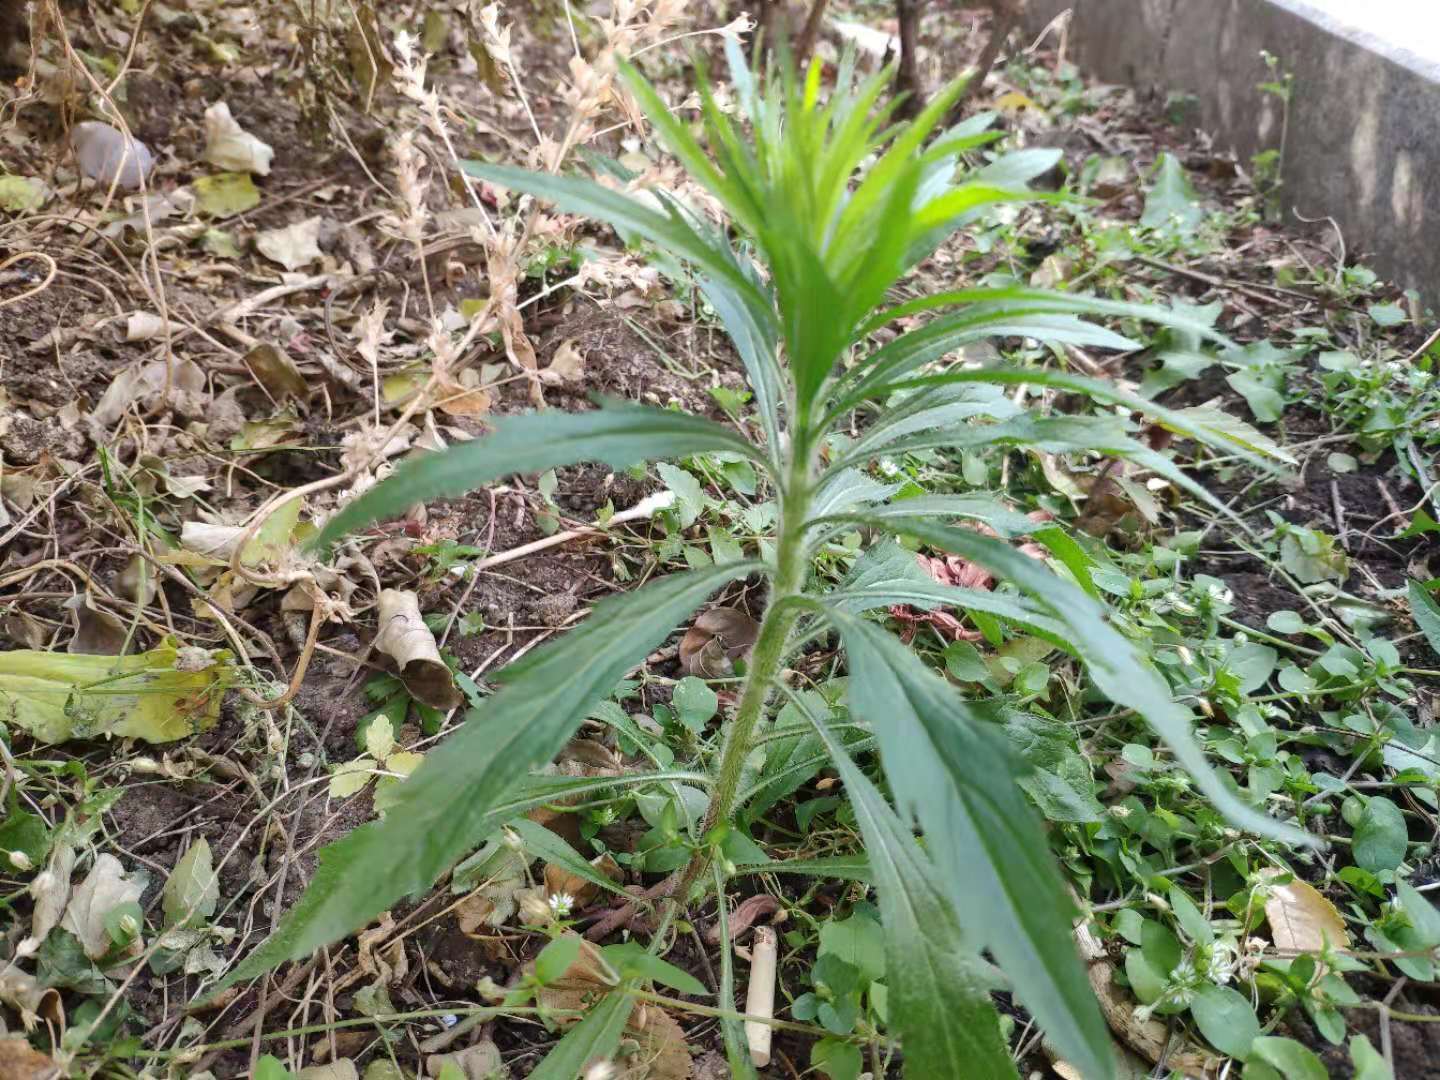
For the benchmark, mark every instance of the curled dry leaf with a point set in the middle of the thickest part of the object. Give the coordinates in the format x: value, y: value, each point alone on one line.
x: 33, y: 1002
x: 50, y: 892
x: 108, y: 157
x: 143, y: 387
x: 382, y: 956
x: 406, y: 639
x: 1301, y: 918
x: 145, y: 325
x: 97, y: 633
x: 558, y: 880
x: 231, y: 147
x: 504, y: 276
x: 745, y: 915
x: 479, y: 1062
x: 566, y: 366
x: 462, y: 395
x: 662, y: 1052
x: 105, y: 888
x: 276, y: 372
x: 137, y: 581
x: 293, y: 246
x: 339, y: 1069
x: 716, y: 640
x: 24, y: 630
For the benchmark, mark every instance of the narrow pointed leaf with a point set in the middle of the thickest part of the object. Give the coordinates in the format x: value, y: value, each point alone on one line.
x: 1117, y: 666
x: 445, y: 807
x: 618, y: 435
x: 670, y: 231
x: 957, y: 777
x: 938, y: 995
x: 595, y: 1038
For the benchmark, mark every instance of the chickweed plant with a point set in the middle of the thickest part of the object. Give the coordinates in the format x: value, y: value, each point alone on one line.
x: 831, y: 204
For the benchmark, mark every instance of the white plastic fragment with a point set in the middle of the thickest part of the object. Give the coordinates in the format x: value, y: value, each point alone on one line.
x: 108, y: 157
x: 760, y: 994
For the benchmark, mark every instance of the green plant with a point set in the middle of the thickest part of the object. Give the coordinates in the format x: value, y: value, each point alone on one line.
x: 833, y: 206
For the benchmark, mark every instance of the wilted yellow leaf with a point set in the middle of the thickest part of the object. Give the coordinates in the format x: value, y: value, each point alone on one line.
x: 59, y: 696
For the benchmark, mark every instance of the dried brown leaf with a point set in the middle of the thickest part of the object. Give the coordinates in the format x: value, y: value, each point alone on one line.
x: 566, y: 366
x: 97, y: 633
x: 104, y: 889
x: 1301, y: 918
x: 276, y: 372
x: 717, y: 638
x: 405, y: 638
x: 479, y: 1062
x: 20, y: 1061
x: 581, y: 891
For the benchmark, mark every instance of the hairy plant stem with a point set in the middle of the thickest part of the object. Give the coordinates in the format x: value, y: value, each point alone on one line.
x: 765, y: 660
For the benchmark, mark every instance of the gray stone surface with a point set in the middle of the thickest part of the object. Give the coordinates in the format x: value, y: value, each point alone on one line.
x: 1362, y: 142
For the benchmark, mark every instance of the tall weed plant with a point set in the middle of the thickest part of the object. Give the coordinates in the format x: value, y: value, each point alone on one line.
x: 831, y: 205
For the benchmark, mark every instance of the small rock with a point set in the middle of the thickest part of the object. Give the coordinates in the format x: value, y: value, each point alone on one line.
x: 554, y: 609
x: 25, y: 439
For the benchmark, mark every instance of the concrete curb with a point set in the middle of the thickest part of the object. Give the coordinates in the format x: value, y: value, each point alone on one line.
x: 1363, y: 139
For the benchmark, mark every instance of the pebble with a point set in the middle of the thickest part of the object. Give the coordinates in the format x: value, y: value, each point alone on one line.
x: 104, y: 153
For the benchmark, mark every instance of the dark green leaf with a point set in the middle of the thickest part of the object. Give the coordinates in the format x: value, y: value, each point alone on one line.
x: 1172, y: 203
x: 1369, y: 1063
x: 541, y: 843
x: 448, y: 805
x: 1380, y: 836
x: 1426, y: 613
x: 840, y: 867
x: 1119, y: 669
x: 1287, y: 1057
x: 555, y: 958
x: 26, y: 835
x: 633, y: 961
x: 1226, y: 1018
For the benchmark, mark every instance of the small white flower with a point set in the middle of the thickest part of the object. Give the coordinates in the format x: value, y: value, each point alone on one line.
x: 560, y: 904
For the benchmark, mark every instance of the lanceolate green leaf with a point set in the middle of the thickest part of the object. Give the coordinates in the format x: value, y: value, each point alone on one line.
x: 1116, y: 665
x: 1182, y: 422
x: 594, y: 1038
x: 840, y: 867
x: 541, y: 843
x: 957, y: 777
x: 1426, y: 613
x: 618, y: 435
x: 445, y: 808
x: 938, y: 997
x: 670, y: 231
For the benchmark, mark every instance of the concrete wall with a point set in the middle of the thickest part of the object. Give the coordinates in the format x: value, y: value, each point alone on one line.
x: 1363, y: 144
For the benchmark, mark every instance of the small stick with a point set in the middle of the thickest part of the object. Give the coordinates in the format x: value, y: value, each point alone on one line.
x: 760, y: 994
x: 1341, y: 532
